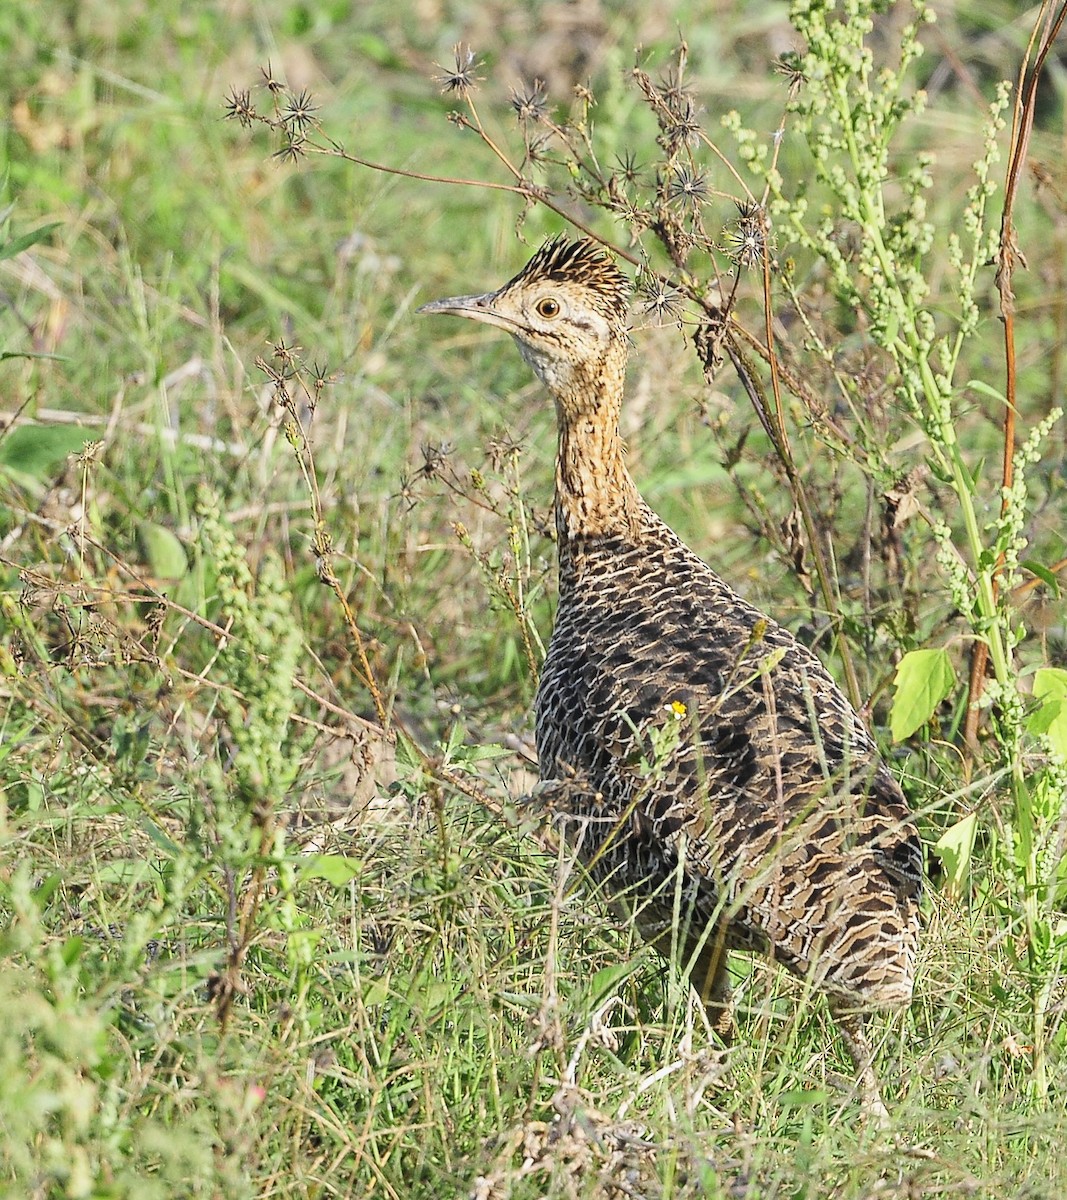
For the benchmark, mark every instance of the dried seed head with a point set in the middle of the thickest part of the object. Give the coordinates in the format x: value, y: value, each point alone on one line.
x: 287, y: 355
x: 292, y: 148
x: 673, y: 92
x: 239, y: 107
x: 745, y: 241
x: 320, y: 377
x: 270, y: 81
x: 460, y: 75
x: 530, y: 104
x: 502, y: 448
x: 791, y: 66
x: 659, y: 298
x: 300, y: 111
x: 538, y: 146
x: 629, y: 168
x: 435, y: 456
x: 681, y: 126
x: 687, y: 187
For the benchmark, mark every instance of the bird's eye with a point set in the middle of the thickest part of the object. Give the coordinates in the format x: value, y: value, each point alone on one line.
x: 548, y: 307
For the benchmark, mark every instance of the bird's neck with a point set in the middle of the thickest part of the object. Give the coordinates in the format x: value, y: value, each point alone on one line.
x: 595, y: 496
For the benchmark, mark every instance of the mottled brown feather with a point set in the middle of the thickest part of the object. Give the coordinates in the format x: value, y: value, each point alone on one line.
x: 710, y: 767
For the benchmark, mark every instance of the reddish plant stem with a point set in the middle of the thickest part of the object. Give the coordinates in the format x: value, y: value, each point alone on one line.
x: 1022, y: 126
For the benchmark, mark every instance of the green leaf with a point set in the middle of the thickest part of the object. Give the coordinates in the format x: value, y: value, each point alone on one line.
x: 119, y: 870
x: 43, y: 894
x: 162, y: 550
x: 1050, y: 687
x: 984, y: 389
x: 954, y: 848
x: 337, y: 869
x: 606, y: 978
x: 1043, y: 717
x: 375, y: 991
x: 923, y: 679
x: 71, y: 950
x: 34, y: 449
x: 1047, y: 577
x: 977, y: 473
x: 161, y: 838
x: 17, y: 245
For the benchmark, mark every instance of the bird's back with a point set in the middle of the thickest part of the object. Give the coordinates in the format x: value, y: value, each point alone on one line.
x: 709, y: 749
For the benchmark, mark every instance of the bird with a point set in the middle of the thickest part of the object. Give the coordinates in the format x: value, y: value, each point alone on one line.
x: 713, y: 775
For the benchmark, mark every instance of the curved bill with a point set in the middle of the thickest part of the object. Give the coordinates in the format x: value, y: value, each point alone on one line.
x: 478, y: 308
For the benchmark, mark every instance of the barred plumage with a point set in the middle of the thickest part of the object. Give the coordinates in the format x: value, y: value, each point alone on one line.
x: 699, y: 748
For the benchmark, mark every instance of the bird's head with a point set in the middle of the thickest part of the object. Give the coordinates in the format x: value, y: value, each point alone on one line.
x: 566, y: 309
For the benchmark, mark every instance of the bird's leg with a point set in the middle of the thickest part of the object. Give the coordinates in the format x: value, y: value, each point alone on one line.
x: 705, y: 964
x: 710, y: 976
x: 852, y: 1024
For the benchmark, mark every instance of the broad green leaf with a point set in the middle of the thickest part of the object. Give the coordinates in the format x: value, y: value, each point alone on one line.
x: 337, y: 869
x: 924, y: 678
x: 375, y: 991
x: 1043, y: 717
x: 954, y: 848
x: 606, y: 978
x: 119, y: 870
x: 34, y: 449
x: 1050, y: 687
x: 163, y: 552
x: 434, y: 994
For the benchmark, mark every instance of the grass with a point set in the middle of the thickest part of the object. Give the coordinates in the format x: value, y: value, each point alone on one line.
x: 251, y: 948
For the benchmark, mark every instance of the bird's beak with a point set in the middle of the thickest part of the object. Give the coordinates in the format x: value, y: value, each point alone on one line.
x: 478, y: 308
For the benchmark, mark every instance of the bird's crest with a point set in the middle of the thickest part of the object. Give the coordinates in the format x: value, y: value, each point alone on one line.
x: 583, y: 263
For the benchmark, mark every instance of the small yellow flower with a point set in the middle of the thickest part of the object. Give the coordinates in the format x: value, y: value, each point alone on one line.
x: 677, y: 709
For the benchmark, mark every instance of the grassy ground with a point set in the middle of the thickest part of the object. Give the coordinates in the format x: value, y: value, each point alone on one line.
x: 248, y: 949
